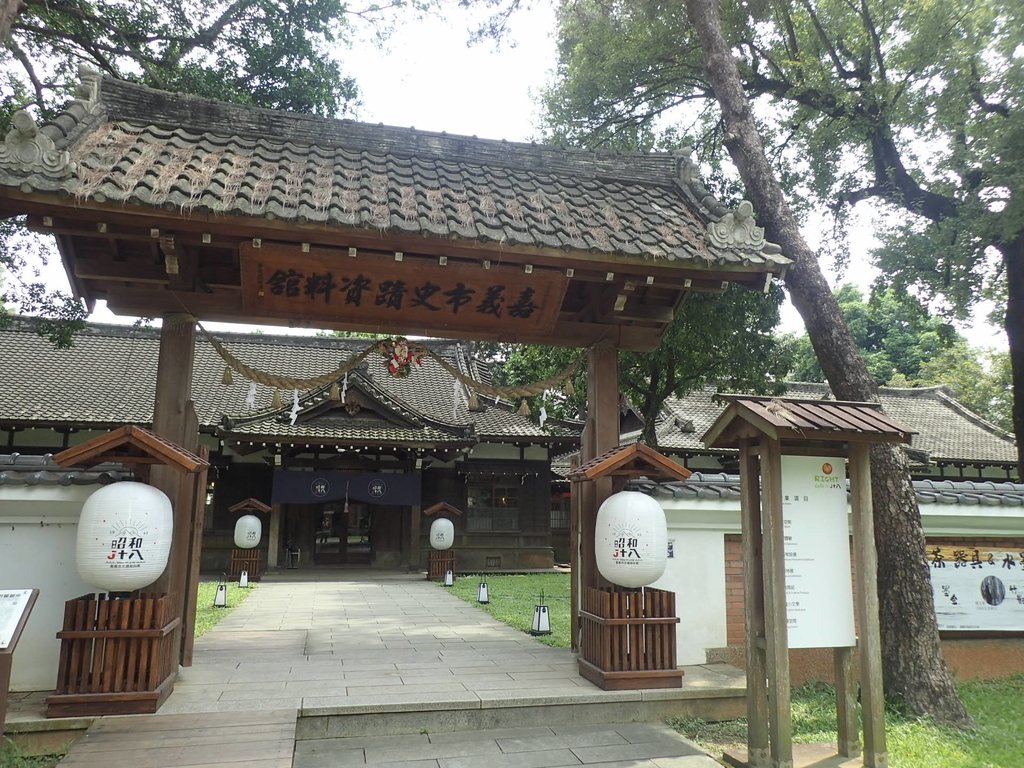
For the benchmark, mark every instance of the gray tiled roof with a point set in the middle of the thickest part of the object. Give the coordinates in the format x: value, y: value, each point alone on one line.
x: 109, y: 375
x: 946, y: 431
x: 725, y: 487
x: 129, y: 144
x: 16, y: 469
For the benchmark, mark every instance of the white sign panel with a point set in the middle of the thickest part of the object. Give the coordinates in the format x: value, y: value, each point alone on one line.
x: 977, y: 589
x: 13, y: 603
x: 819, y: 586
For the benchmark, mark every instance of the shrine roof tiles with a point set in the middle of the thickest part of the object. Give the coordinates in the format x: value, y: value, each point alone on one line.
x: 946, y: 431
x: 720, y: 486
x: 127, y: 144
x: 107, y: 378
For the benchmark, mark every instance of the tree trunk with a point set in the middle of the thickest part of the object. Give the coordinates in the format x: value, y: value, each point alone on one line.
x: 1013, y: 257
x: 913, y: 666
x: 9, y: 10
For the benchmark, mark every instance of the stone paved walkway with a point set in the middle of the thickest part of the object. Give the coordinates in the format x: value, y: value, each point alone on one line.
x: 390, y: 670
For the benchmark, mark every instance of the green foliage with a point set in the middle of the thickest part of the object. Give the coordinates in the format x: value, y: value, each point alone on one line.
x: 512, y: 598
x: 726, y: 339
x: 996, y: 706
x: 278, y: 55
x: 895, y: 334
x: 906, y: 346
x: 12, y: 757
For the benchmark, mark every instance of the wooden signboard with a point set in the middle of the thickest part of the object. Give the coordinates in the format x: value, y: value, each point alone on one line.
x: 15, y: 606
x: 413, y: 294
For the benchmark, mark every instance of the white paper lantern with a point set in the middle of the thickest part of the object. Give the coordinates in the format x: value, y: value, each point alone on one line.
x: 442, y: 533
x: 248, y: 531
x: 124, y: 536
x: 631, y: 539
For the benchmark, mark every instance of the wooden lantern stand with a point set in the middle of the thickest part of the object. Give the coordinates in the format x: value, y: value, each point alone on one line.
x: 628, y: 636
x: 440, y: 561
x: 764, y: 429
x: 249, y: 560
x: 120, y: 656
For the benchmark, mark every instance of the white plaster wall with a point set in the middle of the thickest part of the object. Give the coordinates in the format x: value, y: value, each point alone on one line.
x: 696, y: 573
x: 38, y: 526
x: 697, y: 577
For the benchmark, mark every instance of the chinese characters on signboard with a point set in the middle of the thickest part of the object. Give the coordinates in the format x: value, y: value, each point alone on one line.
x: 819, y: 584
x: 372, y: 288
x: 977, y: 589
x: 13, y: 603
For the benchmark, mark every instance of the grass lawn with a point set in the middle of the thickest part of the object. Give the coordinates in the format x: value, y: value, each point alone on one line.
x: 206, y: 617
x: 996, y: 705
x: 514, y: 596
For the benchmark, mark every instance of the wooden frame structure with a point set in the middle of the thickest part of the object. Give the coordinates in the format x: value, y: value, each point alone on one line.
x: 249, y: 215
x: 627, y: 636
x: 764, y: 429
x: 88, y: 630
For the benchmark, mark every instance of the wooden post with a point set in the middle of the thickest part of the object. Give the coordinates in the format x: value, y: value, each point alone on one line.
x: 866, y: 574
x: 846, y: 702
x: 753, y: 609
x: 195, y: 559
x: 415, y: 516
x: 780, y: 717
x: 575, y: 582
x: 602, y: 435
x: 174, y: 419
x: 274, y: 536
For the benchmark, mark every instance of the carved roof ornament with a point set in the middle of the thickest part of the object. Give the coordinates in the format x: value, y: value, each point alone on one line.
x: 737, y: 229
x: 27, y: 149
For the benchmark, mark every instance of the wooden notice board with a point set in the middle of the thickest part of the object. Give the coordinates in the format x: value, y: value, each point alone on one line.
x: 372, y: 288
x: 15, y: 606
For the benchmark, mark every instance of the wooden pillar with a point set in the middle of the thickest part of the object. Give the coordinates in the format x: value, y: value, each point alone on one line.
x: 274, y: 536
x: 601, y: 435
x: 866, y: 574
x: 848, y: 730
x: 780, y: 718
x: 753, y: 609
x: 174, y: 419
x: 195, y: 557
x: 415, y: 518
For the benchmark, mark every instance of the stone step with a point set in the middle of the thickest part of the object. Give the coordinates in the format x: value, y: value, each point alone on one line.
x: 445, y: 712
x: 612, y: 745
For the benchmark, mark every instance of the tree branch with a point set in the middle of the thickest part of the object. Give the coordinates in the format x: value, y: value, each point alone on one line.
x: 26, y: 64
x: 988, y: 107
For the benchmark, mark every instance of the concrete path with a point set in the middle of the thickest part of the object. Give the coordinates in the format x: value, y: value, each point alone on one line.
x: 377, y: 641
x: 387, y: 669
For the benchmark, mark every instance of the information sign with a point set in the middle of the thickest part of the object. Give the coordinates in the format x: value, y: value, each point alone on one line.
x: 819, y: 584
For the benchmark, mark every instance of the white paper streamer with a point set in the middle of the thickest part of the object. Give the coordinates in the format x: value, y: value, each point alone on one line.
x: 543, y: 415
x: 455, y: 400
x: 344, y: 387
x: 250, y: 396
x: 295, y: 406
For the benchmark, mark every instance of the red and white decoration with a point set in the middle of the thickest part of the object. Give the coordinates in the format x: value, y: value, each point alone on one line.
x: 248, y: 531
x: 124, y: 536
x: 399, y: 357
x: 442, y: 533
x: 631, y: 539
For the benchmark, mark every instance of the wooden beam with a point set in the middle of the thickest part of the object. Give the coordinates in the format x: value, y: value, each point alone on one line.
x: 780, y: 717
x: 865, y: 571
x: 753, y: 609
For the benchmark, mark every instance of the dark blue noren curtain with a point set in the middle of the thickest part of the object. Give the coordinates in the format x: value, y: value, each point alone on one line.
x: 295, y: 487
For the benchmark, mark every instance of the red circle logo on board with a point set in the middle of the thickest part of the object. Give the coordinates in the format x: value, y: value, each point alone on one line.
x: 826, y: 468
